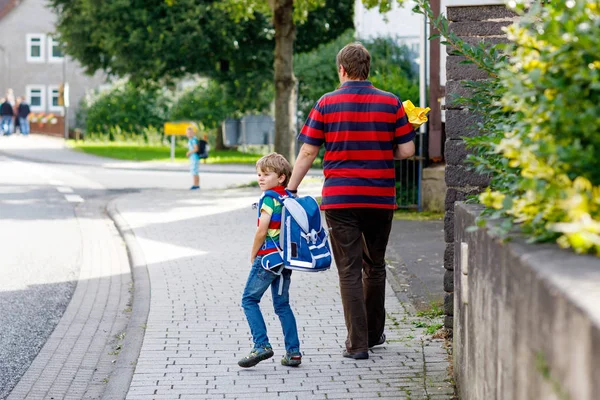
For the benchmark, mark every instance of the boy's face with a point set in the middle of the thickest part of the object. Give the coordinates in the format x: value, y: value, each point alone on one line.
x: 268, y: 179
x: 189, y: 133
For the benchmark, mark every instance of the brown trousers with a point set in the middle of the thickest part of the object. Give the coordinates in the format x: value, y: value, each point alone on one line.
x: 359, y: 237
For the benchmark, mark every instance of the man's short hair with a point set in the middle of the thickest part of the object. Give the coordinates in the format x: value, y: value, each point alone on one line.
x: 356, y: 60
x: 277, y: 163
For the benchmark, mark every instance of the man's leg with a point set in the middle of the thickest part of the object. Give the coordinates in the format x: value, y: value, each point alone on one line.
x: 346, y: 241
x: 376, y: 225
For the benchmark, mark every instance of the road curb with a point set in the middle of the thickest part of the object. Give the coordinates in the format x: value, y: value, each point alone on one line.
x: 121, y: 377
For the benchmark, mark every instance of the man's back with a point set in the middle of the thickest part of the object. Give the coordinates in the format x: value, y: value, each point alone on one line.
x: 359, y: 125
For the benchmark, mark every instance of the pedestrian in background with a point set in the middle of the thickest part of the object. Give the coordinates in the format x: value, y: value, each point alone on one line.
x: 364, y: 130
x: 23, y: 112
x: 192, y: 154
x: 273, y: 172
x: 7, y: 113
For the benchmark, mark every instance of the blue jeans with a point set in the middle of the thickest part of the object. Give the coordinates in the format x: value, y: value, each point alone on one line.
x: 24, y: 125
x: 7, y: 124
x: 258, y: 282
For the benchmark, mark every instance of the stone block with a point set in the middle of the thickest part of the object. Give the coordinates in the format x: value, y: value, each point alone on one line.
x: 449, y: 227
x: 480, y: 13
x: 476, y: 40
x: 449, y: 257
x: 456, y: 152
x: 459, y: 176
x: 449, y: 281
x: 457, y: 71
x: 449, y: 303
x: 434, y: 188
x: 454, y: 91
x: 479, y: 28
x: 461, y: 123
x: 459, y: 194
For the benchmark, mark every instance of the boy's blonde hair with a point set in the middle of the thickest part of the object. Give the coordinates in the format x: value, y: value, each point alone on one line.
x: 277, y: 163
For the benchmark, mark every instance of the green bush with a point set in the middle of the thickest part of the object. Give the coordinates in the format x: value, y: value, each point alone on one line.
x: 542, y: 118
x: 125, y: 108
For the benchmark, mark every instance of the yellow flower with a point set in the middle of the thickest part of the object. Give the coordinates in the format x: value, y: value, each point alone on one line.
x: 550, y: 94
x: 417, y: 116
x: 491, y: 199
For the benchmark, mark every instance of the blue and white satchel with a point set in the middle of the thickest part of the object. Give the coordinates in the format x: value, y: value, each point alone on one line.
x: 303, y: 241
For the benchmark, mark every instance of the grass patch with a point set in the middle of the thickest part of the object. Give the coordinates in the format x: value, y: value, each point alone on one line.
x: 435, y: 310
x: 133, y: 152
x: 413, y: 215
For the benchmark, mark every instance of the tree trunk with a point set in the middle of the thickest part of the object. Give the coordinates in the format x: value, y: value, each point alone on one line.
x: 219, y: 144
x: 285, y: 81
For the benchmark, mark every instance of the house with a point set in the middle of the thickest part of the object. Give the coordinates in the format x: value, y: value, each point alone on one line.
x: 33, y: 65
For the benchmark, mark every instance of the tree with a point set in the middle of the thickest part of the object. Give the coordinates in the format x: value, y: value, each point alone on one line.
x: 230, y: 41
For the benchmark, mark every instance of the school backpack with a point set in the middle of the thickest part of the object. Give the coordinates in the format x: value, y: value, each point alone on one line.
x: 202, y: 148
x: 303, y: 241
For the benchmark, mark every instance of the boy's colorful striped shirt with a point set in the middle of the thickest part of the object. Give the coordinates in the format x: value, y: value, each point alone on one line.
x: 359, y: 125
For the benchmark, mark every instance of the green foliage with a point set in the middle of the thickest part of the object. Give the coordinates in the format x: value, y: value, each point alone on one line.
x: 541, y: 112
x: 154, y: 40
x: 392, y: 69
x: 134, y: 149
x: 211, y: 103
x: 129, y: 108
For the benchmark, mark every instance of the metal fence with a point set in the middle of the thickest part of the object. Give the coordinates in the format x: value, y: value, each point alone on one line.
x: 409, y: 174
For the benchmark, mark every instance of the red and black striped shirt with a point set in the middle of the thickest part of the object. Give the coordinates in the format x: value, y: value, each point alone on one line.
x: 359, y: 125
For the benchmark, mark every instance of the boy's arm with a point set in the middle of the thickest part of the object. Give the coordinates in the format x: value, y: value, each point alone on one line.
x: 306, y: 156
x: 261, y: 234
x: 190, y: 152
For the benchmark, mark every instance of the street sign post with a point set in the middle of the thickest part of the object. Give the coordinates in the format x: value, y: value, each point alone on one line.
x: 177, y: 128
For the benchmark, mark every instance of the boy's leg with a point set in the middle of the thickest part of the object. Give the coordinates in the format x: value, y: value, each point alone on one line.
x: 346, y: 241
x: 376, y: 226
x: 281, y: 304
x: 257, y: 284
x: 196, y: 180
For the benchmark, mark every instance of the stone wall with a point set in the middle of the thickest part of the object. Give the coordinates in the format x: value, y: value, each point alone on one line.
x: 473, y: 24
x: 527, y: 318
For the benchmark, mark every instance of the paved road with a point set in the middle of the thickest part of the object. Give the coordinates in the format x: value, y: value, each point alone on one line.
x: 39, y: 267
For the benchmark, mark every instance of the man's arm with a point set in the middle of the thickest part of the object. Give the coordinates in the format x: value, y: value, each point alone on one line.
x: 404, y: 150
x: 306, y: 157
x: 261, y: 234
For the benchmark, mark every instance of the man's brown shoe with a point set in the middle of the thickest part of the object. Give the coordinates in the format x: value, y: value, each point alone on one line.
x: 361, y: 355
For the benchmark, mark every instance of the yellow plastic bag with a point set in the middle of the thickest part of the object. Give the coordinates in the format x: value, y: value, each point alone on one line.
x: 417, y: 116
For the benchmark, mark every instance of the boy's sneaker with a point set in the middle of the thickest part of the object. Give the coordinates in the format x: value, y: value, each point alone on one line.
x: 292, y: 359
x: 256, y: 356
x: 195, y: 188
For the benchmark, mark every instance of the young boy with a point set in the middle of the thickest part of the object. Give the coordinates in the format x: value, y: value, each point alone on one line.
x: 192, y: 154
x: 273, y: 173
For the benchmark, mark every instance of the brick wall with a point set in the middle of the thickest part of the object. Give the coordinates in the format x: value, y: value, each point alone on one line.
x: 473, y: 24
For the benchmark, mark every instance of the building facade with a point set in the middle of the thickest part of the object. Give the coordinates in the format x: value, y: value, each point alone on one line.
x: 32, y: 63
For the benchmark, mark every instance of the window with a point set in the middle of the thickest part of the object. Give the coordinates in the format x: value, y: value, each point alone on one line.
x: 36, y: 97
x: 35, y: 48
x: 55, y: 53
x: 53, y: 106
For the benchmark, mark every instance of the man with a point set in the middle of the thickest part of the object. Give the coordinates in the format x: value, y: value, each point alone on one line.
x: 7, y: 113
x: 364, y: 129
x: 22, y: 113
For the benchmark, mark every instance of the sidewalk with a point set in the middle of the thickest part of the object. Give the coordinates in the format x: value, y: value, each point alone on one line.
x: 196, y: 330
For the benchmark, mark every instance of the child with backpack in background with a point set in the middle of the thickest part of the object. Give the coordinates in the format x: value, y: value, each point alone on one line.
x: 273, y: 172
x: 192, y: 154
